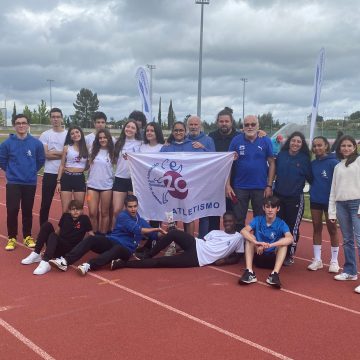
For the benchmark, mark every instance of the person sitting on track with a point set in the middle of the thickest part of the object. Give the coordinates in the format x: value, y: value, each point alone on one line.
x: 267, y: 238
x: 218, y: 247
x: 120, y: 243
x: 72, y: 228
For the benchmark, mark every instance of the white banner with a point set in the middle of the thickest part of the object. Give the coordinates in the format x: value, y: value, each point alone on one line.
x: 190, y: 184
x: 144, y: 92
x: 317, y: 90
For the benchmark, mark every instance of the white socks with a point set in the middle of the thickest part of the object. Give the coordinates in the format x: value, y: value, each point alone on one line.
x: 334, y: 253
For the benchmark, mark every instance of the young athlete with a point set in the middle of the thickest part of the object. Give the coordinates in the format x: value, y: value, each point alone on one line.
x: 322, y: 168
x: 21, y: 157
x: 73, y: 226
x: 120, y: 243
x: 100, y: 181
x: 267, y: 238
x: 216, y: 245
x: 99, y: 124
x: 53, y: 141
x: 74, y: 161
x: 129, y: 141
x: 344, y: 204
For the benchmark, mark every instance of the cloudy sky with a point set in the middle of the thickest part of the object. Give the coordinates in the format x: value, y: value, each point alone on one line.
x: 98, y: 44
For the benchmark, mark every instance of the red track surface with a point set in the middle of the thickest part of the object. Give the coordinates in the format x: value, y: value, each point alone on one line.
x: 163, y: 314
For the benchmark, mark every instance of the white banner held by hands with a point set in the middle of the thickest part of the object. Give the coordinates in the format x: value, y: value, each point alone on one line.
x: 190, y: 184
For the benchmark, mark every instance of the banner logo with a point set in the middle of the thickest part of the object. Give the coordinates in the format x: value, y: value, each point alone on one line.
x: 165, y: 180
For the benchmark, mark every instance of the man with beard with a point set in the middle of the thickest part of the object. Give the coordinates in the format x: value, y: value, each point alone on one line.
x: 222, y: 138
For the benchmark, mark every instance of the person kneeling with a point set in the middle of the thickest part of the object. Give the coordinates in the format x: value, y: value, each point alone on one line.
x: 72, y: 228
x: 120, y: 243
x: 216, y: 245
x: 267, y: 238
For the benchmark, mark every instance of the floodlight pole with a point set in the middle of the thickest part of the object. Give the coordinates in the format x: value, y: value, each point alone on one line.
x: 244, y: 80
x: 202, y: 3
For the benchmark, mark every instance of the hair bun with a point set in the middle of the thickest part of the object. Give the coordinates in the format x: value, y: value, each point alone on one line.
x: 230, y: 110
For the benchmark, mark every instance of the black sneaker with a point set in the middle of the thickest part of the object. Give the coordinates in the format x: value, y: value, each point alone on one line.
x: 117, y: 264
x: 247, y: 277
x: 289, y: 260
x: 274, y: 280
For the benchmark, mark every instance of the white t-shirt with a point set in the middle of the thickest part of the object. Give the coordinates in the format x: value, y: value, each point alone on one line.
x: 122, y: 166
x: 146, y: 148
x: 54, y: 141
x: 218, y: 245
x: 89, y: 139
x: 101, y: 174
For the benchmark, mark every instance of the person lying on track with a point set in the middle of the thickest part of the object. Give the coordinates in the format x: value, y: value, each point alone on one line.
x: 267, y: 238
x: 218, y: 247
x: 129, y: 230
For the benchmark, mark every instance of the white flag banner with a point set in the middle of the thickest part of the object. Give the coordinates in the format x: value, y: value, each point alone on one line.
x: 191, y: 185
x: 317, y: 90
x: 144, y: 92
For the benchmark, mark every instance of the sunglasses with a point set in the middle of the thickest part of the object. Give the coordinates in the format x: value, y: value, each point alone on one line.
x: 250, y: 124
x: 179, y: 130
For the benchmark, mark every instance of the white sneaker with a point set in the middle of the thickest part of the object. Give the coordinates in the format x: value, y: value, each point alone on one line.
x: 315, y: 265
x: 83, y: 269
x: 357, y: 289
x: 344, y: 276
x: 31, y: 259
x: 42, y: 268
x: 334, y: 267
x: 171, y: 250
x: 59, y: 263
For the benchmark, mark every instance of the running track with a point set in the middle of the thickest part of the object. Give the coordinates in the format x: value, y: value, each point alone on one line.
x: 173, y: 313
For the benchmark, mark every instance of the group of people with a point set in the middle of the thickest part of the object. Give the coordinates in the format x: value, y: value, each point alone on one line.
x: 272, y: 182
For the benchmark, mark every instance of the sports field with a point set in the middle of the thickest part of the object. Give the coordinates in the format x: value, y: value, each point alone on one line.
x: 199, y: 313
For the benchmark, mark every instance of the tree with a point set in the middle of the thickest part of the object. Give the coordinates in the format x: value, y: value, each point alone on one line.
x: 41, y: 115
x: 171, y: 116
x: 13, y: 113
x: 27, y: 112
x: 266, y: 121
x: 159, y: 114
x: 86, y: 105
x: 355, y: 116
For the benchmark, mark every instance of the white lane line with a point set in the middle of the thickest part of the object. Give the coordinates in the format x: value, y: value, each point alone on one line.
x: 193, y: 318
x: 323, y: 302
x: 36, y: 349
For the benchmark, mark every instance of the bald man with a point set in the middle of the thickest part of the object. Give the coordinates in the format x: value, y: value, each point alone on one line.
x: 200, y: 140
x: 254, y: 170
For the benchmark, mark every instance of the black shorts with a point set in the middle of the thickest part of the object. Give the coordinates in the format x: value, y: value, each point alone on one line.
x: 73, y: 182
x: 97, y: 190
x: 317, y: 206
x: 265, y: 261
x: 122, y: 185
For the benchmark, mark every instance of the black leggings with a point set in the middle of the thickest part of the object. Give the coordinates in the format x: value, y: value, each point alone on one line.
x: 107, y: 250
x: 55, y: 245
x: 187, y: 259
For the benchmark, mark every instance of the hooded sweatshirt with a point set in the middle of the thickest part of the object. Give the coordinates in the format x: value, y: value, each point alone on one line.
x: 186, y: 145
x: 21, y: 159
x: 322, y: 169
x: 202, y: 138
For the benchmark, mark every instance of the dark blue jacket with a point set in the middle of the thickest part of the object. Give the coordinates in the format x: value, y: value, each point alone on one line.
x: 21, y: 159
x: 202, y: 138
x: 291, y: 173
x: 186, y: 145
x: 127, y: 231
x: 322, y: 169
